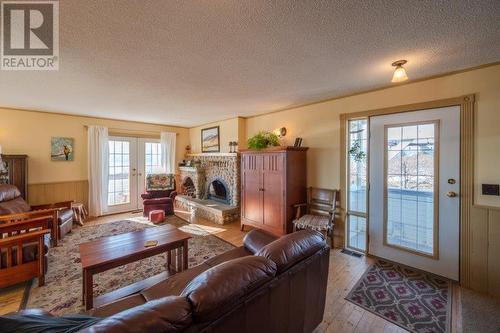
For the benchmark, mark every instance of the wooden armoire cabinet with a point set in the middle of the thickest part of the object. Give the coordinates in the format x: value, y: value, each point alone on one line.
x: 14, y: 170
x: 272, y: 181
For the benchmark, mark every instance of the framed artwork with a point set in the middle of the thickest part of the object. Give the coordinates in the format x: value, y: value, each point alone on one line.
x: 210, y: 140
x: 61, y: 149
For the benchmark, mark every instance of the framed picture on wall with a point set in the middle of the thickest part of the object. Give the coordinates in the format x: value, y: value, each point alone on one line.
x: 210, y: 140
x: 61, y: 149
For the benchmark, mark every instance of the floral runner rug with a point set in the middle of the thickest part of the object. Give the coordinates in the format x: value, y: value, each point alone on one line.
x: 414, y: 300
x: 62, y: 291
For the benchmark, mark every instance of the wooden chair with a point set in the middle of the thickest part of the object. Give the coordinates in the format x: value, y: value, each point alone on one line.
x: 22, y: 249
x: 319, y: 213
x: 35, y: 215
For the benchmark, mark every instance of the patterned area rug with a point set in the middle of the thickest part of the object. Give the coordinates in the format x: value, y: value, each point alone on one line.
x: 415, y: 301
x: 61, y: 293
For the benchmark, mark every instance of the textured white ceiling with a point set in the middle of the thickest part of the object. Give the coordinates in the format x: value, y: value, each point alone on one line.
x: 191, y: 62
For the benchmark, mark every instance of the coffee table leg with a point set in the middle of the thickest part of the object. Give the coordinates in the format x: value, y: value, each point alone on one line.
x: 169, y: 260
x: 83, y: 287
x: 178, y: 259
x: 89, y: 291
x: 185, y: 255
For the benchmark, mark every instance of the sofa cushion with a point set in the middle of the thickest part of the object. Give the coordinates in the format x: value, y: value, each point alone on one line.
x: 216, y: 290
x: 8, y: 192
x: 256, y: 239
x: 14, y: 206
x: 168, y: 314
x: 228, y: 255
x: 118, y: 306
x: 174, y: 285
x: 292, y: 248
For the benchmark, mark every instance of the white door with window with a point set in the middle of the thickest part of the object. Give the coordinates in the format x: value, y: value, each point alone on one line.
x: 130, y: 161
x: 414, y: 168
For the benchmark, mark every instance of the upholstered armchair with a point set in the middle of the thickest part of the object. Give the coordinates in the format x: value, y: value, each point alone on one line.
x: 14, y: 208
x: 160, y: 194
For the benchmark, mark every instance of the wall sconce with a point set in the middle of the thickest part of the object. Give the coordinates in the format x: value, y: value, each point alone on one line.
x: 280, y: 132
x: 399, y: 73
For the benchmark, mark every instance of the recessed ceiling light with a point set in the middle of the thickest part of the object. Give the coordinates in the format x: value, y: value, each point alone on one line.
x: 399, y: 73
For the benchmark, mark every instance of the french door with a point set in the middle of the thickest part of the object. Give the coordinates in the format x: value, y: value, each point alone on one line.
x: 130, y: 161
x: 403, y: 189
x: 414, y: 185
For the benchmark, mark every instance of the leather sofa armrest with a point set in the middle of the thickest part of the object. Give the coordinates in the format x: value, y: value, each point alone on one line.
x: 257, y: 239
x: 145, y: 196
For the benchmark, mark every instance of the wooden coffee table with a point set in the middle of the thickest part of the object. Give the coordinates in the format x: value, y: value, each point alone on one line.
x: 110, y: 252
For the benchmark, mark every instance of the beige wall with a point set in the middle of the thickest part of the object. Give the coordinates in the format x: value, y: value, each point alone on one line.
x: 319, y: 123
x: 229, y: 130
x: 27, y: 132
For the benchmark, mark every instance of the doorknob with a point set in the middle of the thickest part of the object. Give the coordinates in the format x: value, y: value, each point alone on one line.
x: 451, y: 194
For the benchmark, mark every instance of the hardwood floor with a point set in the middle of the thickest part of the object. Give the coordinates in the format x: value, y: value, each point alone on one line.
x: 340, y: 315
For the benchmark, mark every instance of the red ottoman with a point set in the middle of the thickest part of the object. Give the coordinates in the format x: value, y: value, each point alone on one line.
x: 157, y: 216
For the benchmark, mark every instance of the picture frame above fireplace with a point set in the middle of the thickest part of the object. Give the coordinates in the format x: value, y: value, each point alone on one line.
x: 210, y: 140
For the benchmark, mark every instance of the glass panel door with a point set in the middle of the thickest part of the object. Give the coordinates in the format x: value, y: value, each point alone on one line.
x: 122, y: 180
x: 414, y: 170
x: 150, y: 159
x: 357, y: 184
x: 130, y: 161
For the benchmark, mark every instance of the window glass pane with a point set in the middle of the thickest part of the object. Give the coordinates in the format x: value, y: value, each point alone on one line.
x: 357, y: 181
x: 410, y: 192
x: 153, y: 158
x: 357, y: 232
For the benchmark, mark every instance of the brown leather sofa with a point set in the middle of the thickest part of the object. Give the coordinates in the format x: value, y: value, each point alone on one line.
x: 12, y: 203
x: 267, y: 285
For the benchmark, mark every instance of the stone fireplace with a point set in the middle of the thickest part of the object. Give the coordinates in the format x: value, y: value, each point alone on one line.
x: 211, y: 187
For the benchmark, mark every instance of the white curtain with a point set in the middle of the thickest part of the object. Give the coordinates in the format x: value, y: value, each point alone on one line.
x: 167, y: 141
x: 98, y: 169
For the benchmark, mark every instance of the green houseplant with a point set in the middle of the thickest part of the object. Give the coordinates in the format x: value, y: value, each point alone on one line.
x: 263, y: 140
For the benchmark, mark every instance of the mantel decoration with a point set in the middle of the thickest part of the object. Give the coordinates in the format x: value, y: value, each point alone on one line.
x: 232, y: 146
x: 263, y: 140
x: 61, y: 149
x: 210, y: 140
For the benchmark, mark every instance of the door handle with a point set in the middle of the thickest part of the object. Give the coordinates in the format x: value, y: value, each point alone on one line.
x: 451, y: 194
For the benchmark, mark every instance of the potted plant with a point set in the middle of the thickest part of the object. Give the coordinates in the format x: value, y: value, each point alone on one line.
x: 263, y: 140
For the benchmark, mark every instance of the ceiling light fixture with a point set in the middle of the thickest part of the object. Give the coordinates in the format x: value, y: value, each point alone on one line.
x: 399, y: 73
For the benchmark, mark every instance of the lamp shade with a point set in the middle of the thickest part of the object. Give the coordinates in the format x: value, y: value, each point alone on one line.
x: 399, y: 75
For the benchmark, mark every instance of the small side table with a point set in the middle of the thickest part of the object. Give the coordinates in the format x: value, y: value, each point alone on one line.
x: 79, y: 212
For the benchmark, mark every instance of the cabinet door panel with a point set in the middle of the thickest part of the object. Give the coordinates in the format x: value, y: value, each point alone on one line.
x: 273, y: 184
x: 251, y: 188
